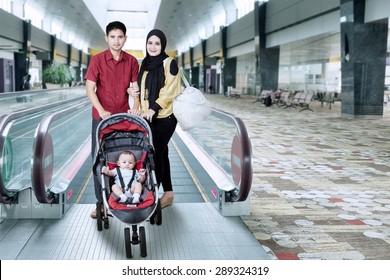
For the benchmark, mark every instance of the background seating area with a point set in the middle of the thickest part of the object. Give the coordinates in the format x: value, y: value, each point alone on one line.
x: 293, y: 99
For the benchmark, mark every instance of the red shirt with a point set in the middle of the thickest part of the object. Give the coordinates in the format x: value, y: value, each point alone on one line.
x: 112, y: 79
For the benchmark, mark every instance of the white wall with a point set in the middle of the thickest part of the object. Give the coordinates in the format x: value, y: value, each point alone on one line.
x: 282, y: 13
x: 328, y: 23
x: 377, y: 9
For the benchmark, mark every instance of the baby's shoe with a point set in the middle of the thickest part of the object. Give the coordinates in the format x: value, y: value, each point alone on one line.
x: 137, y: 198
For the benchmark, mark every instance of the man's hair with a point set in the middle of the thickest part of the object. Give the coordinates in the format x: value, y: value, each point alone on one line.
x: 115, y: 25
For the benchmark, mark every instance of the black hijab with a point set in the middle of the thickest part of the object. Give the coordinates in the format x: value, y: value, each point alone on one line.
x: 154, y: 65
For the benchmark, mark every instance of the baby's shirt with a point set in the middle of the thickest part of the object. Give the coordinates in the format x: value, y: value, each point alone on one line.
x: 126, y: 174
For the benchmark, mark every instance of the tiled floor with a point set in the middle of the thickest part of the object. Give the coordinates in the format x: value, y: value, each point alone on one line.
x: 321, y: 183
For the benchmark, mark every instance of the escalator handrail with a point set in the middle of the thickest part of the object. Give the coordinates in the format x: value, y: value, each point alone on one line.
x: 13, y: 94
x: 5, y: 195
x: 242, y: 193
x: 37, y: 172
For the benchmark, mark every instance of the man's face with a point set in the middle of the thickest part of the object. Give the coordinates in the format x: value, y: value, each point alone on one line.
x: 116, y: 39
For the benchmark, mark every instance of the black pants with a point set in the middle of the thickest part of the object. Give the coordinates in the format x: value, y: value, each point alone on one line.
x: 96, y: 182
x: 162, y: 131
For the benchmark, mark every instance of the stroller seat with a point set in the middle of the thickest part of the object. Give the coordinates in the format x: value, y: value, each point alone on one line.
x: 141, y: 211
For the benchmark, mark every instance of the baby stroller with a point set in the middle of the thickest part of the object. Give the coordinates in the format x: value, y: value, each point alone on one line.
x: 118, y: 133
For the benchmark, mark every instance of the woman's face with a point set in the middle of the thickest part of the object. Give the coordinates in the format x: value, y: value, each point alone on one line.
x: 153, y: 46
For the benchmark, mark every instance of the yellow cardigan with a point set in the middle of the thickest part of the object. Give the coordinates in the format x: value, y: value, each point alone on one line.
x: 171, y: 89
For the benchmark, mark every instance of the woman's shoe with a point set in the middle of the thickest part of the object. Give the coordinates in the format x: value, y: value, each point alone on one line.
x: 167, y: 199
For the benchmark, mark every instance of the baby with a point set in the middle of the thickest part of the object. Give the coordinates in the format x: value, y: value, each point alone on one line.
x: 132, y: 178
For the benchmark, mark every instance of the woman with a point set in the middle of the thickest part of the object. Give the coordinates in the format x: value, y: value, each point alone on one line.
x: 159, y: 81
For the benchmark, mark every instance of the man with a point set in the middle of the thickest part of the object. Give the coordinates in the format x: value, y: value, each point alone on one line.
x: 108, y: 79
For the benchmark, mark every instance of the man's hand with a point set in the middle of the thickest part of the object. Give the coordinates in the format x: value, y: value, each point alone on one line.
x: 104, y: 114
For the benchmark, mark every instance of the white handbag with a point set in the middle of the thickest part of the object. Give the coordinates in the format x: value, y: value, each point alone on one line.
x: 190, y: 107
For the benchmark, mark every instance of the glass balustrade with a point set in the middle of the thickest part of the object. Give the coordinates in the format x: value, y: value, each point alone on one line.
x: 224, y: 138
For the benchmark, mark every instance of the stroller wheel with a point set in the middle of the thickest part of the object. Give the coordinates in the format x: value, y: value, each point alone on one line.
x: 128, y: 243
x: 99, y: 216
x: 142, y: 237
x: 156, y: 217
x: 106, y: 223
x: 152, y: 218
x: 135, y: 237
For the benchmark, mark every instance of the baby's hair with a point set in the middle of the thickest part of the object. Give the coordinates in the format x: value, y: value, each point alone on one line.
x: 127, y: 153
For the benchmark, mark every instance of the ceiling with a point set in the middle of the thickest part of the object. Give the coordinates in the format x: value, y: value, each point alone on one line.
x: 184, y: 22
x: 82, y: 22
x: 70, y: 17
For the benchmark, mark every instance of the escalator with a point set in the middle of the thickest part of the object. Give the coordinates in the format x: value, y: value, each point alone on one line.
x: 18, y: 131
x: 59, y: 138
x: 41, y: 201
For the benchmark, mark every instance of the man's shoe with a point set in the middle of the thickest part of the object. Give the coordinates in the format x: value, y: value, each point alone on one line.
x: 93, y: 214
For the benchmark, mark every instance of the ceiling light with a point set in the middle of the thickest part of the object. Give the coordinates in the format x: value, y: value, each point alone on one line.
x: 128, y: 11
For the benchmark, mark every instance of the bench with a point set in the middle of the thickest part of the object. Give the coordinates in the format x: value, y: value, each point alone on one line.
x: 306, y: 101
x: 284, y: 99
x: 300, y: 98
x: 327, y: 97
x: 263, y: 95
x: 386, y: 98
x: 235, y: 92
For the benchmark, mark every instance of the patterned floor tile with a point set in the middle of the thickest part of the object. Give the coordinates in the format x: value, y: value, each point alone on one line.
x: 320, y: 190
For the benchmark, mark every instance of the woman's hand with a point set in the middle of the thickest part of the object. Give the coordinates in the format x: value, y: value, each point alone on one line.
x: 133, y: 92
x: 134, y: 112
x: 148, y: 115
